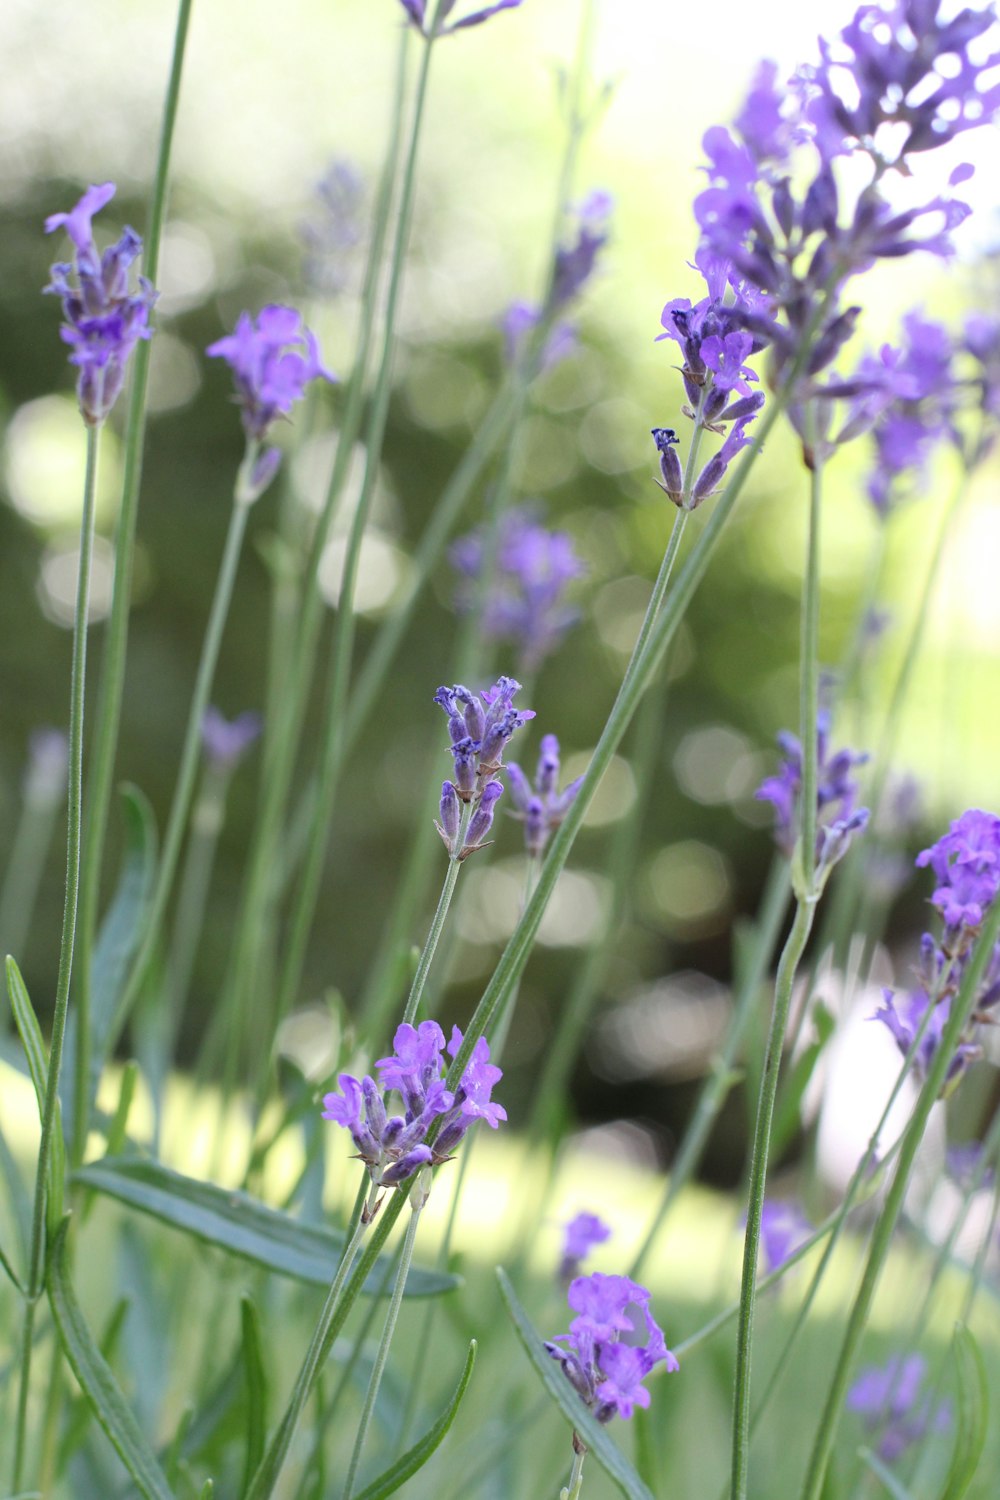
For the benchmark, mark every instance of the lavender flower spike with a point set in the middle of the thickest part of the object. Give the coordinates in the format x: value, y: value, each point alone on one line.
x: 891, y: 1397
x: 272, y: 360
x: 582, y: 1233
x: 606, y: 1371
x: 225, y: 741
x: 103, y: 320
x: 542, y: 808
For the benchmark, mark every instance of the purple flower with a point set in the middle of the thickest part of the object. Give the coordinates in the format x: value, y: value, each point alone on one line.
x: 331, y: 238
x: 541, y: 808
x: 890, y: 1397
x: 783, y: 1228
x: 574, y: 264
x: 582, y: 1233
x: 227, y: 741
x: 606, y: 1369
x: 416, y: 11
x: 103, y: 320
x: 530, y: 570
x: 517, y: 323
x: 272, y: 363
x: 966, y: 864
x: 395, y: 1147
x: 478, y: 736
x: 836, y: 795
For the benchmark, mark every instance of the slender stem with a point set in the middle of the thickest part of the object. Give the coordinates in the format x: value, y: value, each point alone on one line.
x: 191, y: 750
x: 412, y: 1007
x: 721, y: 1078
x: 108, y: 716
x: 809, y: 681
x: 74, y: 824
x: 960, y: 1010
x: 574, y: 1488
x: 382, y: 1353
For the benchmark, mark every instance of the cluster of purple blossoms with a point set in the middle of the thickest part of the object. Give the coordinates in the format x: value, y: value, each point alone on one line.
x: 395, y: 1147
x: 416, y: 11
x: 542, y: 806
x: 272, y: 360
x: 103, y: 320
x: 530, y: 568
x: 966, y: 865
x: 839, y: 817
x: 715, y: 341
x: 581, y: 1234
x: 334, y: 233
x: 783, y: 1229
x: 478, y: 737
x: 891, y: 1398
x: 226, y: 741
x: 573, y: 268
x: 606, y: 1370
x: 897, y: 76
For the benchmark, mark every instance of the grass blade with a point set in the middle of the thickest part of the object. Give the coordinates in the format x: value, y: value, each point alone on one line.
x: 38, y: 1065
x: 973, y: 1414
x: 255, y: 1375
x: 414, y: 1458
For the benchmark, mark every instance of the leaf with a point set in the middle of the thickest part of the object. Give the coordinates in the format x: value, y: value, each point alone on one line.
x: 244, y: 1226
x: 414, y: 1458
x: 255, y: 1374
x: 5, y: 1263
x: 881, y: 1470
x: 38, y: 1065
x: 97, y: 1379
x: 788, y: 1111
x: 973, y: 1414
x: 612, y: 1460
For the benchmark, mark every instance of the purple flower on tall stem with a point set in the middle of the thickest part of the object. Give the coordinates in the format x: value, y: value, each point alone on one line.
x: 272, y: 360
x: 531, y: 568
x: 104, y: 320
x: 582, y: 1233
x: 603, y: 1364
x: 966, y: 863
x: 226, y: 741
x: 891, y: 1399
x: 541, y: 806
x: 783, y: 1228
x: 836, y: 795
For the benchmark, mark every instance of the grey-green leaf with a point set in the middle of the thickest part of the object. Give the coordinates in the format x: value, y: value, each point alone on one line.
x: 414, y: 1458
x: 599, y: 1444
x: 97, y: 1379
x: 255, y: 1375
x: 38, y: 1065
x: 973, y: 1414
x: 242, y: 1225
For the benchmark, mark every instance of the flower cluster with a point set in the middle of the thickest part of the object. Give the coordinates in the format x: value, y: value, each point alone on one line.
x: 272, y: 360
x: 897, y: 77
x: 528, y: 570
x: 395, y: 1147
x: 103, y: 320
x: 581, y: 1234
x: 890, y: 1397
x: 839, y: 817
x: 478, y: 736
x: 543, y: 806
x: 715, y: 341
x: 966, y: 865
x: 783, y: 1229
x: 573, y: 267
x: 416, y: 11
x: 331, y: 237
x: 606, y: 1370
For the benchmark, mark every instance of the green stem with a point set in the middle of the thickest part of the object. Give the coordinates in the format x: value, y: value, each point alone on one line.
x: 722, y: 1076
x: 809, y: 698
x: 108, y: 717
x: 191, y: 750
x: 74, y: 815
x: 960, y: 1010
x: 574, y: 1488
x: 382, y: 1353
x: 412, y: 1007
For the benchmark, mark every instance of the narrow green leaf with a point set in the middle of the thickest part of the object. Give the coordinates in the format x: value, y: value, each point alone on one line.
x: 118, y: 1129
x: 881, y: 1470
x: 6, y: 1265
x: 973, y: 1414
x: 255, y: 1374
x: 76, y: 1424
x: 38, y: 1064
x: 97, y: 1379
x: 612, y: 1460
x: 414, y: 1458
x: 208, y: 1489
x: 240, y: 1224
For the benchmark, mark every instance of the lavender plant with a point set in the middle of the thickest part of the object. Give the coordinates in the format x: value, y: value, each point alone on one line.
x: 818, y: 179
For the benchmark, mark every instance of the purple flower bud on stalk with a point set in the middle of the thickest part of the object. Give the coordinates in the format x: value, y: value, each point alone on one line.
x: 103, y: 321
x: 574, y: 265
x: 227, y: 741
x: 543, y: 809
x: 272, y: 360
x: 605, y: 1370
x: 671, y: 474
x: 783, y: 1228
x: 482, y: 818
x: 517, y: 323
x: 416, y: 11
x: 451, y: 815
x: 714, y: 472
x: 406, y: 1165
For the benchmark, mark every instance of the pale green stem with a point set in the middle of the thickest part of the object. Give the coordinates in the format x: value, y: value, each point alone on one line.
x: 382, y: 1353
x: 108, y: 717
x: 960, y: 1010
x: 74, y: 818
x: 722, y: 1076
x: 573, y: 1489
x: 192, y: 748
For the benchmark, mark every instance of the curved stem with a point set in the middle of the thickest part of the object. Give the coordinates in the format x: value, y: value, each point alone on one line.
x: 412, y: 1007
x: 33, y: 1282
x: 382, y: 1354
x: 108, y: 715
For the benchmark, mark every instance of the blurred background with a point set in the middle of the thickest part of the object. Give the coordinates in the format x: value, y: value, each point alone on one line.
x: 272, y: 102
